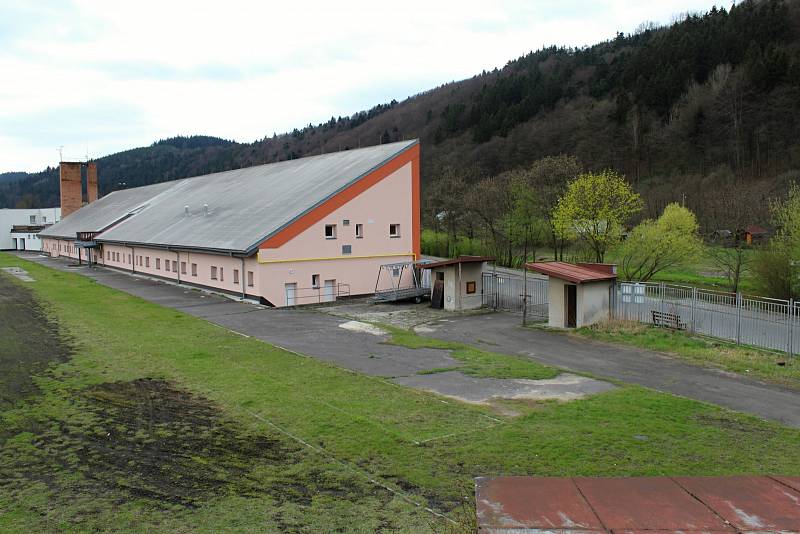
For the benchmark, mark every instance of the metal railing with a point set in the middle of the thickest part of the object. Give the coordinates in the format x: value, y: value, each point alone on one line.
x: 748, y: 320
x: 316, y: 295
x: 505, y: 292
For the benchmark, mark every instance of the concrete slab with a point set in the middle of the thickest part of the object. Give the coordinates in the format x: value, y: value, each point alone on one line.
x: 19, y: 273
x: 647, y: 503
x: 457, y: 385
x: 757, y: 504
x: 549, y: 504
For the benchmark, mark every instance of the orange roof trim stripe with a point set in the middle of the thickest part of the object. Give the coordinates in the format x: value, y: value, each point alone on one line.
x: 304, y: 222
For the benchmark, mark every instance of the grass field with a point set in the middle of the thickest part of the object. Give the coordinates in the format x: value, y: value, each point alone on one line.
x: 746, y: 361
x: 158, y: 421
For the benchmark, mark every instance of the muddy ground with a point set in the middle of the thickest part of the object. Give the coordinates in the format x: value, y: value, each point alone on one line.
x: 145, y: 442
x: 29, y: 341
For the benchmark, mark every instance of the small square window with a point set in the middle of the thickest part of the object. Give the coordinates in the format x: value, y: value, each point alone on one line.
x: 347, y: 249
x: 470, y: 288
x: 359, y: 231
x: 346, y: 222
x: 33, y: 219
x: 394, y: 230
x: 330, y: 231
x: 395, y: 271
x: 315, y: 281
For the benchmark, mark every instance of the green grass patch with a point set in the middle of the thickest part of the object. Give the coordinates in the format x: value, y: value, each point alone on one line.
x: 475, y: 362
x: 133, y: 359
x: 700, y: 350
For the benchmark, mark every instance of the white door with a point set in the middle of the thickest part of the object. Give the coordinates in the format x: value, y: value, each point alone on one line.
x: 22, y: 243
x: 330, y: 287
x: 15, y: 243
x: 291, y: 292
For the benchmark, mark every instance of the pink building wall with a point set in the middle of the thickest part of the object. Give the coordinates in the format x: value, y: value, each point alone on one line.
x: 189, y: 267
x: 153, y: 262
x: 387, y: 202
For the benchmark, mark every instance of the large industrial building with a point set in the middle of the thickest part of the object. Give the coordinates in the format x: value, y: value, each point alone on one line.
x: 286, y: 233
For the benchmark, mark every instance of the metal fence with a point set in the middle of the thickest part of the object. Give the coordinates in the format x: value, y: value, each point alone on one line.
x: 758, y: 321
x: 504, y: 292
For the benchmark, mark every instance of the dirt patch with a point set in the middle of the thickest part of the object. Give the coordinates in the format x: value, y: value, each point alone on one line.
x: 726, y: 422
x: 29, y: 342
x: 149, y: 440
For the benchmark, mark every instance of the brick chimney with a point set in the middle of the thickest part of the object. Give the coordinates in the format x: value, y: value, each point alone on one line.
x: 91, y: 182
x: 71, y: 190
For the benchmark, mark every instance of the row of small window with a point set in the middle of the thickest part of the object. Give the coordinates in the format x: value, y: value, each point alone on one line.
x: 330, y: 230
x: 217, y: 273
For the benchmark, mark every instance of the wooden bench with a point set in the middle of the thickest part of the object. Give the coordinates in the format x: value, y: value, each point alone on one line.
x: 670, y: 320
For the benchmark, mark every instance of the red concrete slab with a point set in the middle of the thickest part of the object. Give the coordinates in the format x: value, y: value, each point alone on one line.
x: 647, y: 503
x: 792, y: 482
x: 748, y: 503
x: 533, y: 503
x: 669, y: 532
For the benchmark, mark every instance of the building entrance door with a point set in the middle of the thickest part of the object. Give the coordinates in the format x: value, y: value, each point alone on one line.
x: 291, y: 294
x: 329, y: 294
x: 572, y: 305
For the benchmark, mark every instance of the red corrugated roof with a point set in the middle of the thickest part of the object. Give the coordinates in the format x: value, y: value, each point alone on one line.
x: 570, y: 272
x: 456, y: 261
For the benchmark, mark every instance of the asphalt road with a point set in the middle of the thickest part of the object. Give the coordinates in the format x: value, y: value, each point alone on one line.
x: 501, y: 332
x: 318, y: 334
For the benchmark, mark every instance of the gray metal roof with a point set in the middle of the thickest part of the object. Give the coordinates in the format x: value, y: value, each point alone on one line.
x: 104, y: 212
x: 245, y: 206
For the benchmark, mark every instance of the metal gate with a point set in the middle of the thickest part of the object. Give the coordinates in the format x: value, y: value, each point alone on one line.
x: 504, y: 292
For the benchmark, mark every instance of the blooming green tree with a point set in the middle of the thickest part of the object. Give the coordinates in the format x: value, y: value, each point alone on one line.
x: 594, y: 208
x: 655, y: 245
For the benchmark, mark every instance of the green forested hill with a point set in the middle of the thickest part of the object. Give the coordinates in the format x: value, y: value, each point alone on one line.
x: 705, y: 111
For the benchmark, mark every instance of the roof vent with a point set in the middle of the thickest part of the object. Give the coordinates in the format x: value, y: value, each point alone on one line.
x: 205, y: 209
x: 186, y: 210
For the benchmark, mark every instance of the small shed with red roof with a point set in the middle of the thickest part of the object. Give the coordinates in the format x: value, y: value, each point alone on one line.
x: 579, y: 294
x: 457, y: 284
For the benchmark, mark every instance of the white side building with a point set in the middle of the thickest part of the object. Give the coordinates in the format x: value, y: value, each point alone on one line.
x: 28, y: 223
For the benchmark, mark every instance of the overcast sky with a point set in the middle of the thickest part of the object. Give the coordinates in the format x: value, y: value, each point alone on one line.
x: 98, y: 77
